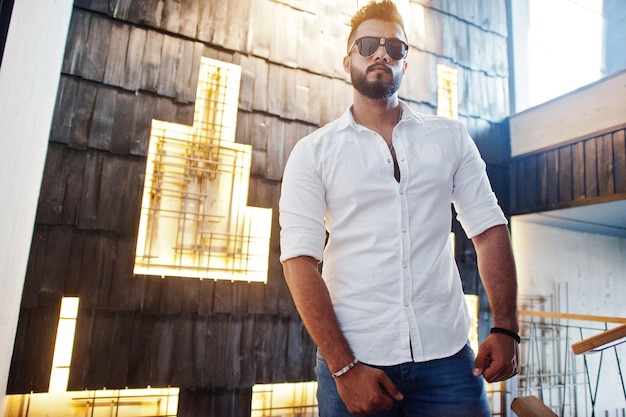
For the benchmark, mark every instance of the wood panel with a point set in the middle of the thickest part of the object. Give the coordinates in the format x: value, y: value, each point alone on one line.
x: 587, y: 171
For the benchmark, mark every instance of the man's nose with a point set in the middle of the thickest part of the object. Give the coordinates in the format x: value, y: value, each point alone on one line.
x: 381, y: 54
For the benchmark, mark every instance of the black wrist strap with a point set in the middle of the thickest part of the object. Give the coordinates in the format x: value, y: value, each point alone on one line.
x: 506, y: 332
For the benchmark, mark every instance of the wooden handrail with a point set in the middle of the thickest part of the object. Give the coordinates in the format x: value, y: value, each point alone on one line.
x: 548, y: 314
x: 600, y: 341
x: 531, y: 406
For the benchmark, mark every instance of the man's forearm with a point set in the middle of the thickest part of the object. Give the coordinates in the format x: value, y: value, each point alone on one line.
x: 496, y: 267
x: 314, y: 305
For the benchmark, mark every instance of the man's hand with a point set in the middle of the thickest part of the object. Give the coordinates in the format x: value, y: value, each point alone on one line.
x: 366, y: 390
x: 497, y: 358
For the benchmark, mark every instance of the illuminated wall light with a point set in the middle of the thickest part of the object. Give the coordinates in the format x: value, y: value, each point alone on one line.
x: 62, y: 358
x: 288, y: 399
x: 194, y: 219
x: 447, y: 92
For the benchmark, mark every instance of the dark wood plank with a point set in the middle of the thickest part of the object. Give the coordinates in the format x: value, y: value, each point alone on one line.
x: 552, y: 178
x: 63, y: 110
x: 77, y: 40
x: 619, y: 161
x: 116, y: 54
x: 99, y: 350
x: 171, y: 295
x: 606, y: 179
x: 123, y: 121
x: 124, y: 286
x: 190, y: 295
x: 161, y: 357
x: 151, y: 294
x: 103, y: 118
x: 134, y: 58
x: 260, y: 93
x: 82, y: 115
x: 226, y: 297
x: 534, y: 184
x: 204, y: 29
x: 58, y: 247
x: 247, y: 83
x: 565, y: 175
x: 143, y: 114
x: 187, y: 72
x: 52, y: 192
x: 93, y: 60
x: 120, y: 350
x: 182, y: 369
x: 35, y: 270
x: 140, y: 372
x: 275, y: 149
x: 542, y: 171
x: 168, y: 65
x: 578, y: 170
x: 591, y: 169
x: 119, y: 196
x: 74, y: 270
x: 206, y: 297
x: 151, y: 63
x: 170, y: 16
x: 188, y: 15
x: 300, y: 353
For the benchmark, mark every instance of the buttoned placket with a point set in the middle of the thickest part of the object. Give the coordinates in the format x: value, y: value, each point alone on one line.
x: 407, y: 282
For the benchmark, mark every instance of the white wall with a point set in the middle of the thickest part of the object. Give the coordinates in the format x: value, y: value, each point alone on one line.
x: 586, y: 273
x: 29, y: 77
x: 590, y: 268
x: 590, y: 109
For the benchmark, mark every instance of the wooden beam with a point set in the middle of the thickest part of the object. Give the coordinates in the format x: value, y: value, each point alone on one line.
x: 548, y: 314
x: 530, y: 406
x: 599, y: 341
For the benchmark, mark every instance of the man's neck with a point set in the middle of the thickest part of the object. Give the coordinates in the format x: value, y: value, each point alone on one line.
x: 376, y: 113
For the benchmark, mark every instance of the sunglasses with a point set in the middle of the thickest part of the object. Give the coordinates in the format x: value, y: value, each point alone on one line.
x: 367, y: 46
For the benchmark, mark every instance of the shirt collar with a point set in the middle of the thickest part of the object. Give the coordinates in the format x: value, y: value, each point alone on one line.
x: 347, y: 119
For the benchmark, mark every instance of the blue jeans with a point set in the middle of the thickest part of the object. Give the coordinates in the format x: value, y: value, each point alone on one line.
x: 438, y: 388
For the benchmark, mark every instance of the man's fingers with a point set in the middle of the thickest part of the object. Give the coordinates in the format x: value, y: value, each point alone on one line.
x: 391, y: 389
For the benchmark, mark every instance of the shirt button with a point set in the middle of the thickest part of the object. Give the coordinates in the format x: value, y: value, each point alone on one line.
x: 401, y: 192
x: 403, y: 230
x: 406, y: 304
x: 404, y: 265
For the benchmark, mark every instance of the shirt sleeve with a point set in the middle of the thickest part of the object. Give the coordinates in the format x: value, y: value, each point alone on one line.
x: 302, y: 206
x: 473, y: 198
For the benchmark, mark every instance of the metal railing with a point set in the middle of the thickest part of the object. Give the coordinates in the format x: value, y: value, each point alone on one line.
x: 569, y: 384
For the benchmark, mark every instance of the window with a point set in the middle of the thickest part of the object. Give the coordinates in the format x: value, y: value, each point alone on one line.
x: 447, y: 92
x: 194, y: 219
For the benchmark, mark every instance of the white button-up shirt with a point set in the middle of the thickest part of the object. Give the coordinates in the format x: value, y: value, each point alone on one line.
x: 388, y: 263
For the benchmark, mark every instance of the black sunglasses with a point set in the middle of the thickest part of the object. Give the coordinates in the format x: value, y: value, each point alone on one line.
x: 367, y: 46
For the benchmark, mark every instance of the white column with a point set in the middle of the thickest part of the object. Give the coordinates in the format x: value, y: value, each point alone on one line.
x: 29, y: 78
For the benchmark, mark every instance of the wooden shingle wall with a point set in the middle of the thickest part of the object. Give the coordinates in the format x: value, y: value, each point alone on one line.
x: 128, y: 62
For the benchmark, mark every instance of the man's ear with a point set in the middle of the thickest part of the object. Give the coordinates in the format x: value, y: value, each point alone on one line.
x: 346, y: 64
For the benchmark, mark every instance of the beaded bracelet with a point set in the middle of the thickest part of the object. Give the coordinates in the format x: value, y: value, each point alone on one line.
x: 506, y: 332
x: 345, y: 368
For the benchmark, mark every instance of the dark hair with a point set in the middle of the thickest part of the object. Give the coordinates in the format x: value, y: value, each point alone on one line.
x: 376, y: 9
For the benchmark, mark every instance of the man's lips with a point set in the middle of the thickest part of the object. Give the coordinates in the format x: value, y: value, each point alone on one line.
x: 378, y: 67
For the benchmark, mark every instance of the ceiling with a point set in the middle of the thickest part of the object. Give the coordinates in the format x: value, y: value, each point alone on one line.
x: 606, y: 218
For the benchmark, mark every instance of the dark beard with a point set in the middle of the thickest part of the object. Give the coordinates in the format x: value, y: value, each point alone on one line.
x: 377, y: 90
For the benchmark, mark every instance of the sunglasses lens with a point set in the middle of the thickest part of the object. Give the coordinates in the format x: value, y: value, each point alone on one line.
x: 395, y: 49
x: 368, y: 45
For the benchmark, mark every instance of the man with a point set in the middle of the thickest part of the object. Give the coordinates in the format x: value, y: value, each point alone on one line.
x: 387, y: 312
